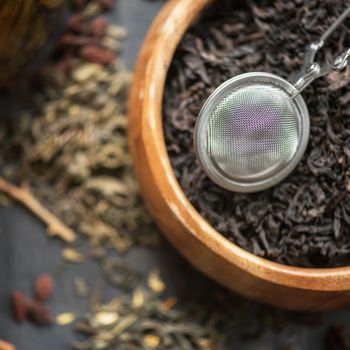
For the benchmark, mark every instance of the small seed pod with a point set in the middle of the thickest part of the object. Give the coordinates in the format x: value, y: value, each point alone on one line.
x: 39, y: 314
x: 43, y: 287
x: 19, y: 306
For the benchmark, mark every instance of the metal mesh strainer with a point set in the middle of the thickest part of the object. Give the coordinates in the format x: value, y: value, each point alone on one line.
x: 254, y: 129
x: 255, y: 132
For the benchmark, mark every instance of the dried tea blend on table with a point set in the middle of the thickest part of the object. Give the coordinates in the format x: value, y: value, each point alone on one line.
x: 69, y: 154
x: 304, y: 221
x: 73, y: 155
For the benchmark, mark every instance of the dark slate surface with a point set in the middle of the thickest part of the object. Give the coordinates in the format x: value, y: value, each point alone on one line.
x: 26, y: 251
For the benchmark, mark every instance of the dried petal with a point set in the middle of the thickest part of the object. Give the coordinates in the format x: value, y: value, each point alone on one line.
x: 138, y: 298
x: 104, y: 318
x: 72, y: 255
x: 151, y: 341
x: 155, y: 283
x: 65, y: 318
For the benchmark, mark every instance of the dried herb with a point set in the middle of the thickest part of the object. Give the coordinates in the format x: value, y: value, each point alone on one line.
x: 147, y: 320
x: 305, y: 220
x: 72, y: 255
x: 76, y: 144
x: 66, y: 318
x: 81, y: 289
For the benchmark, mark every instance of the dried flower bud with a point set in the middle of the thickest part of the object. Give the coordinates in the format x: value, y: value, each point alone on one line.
x: 19, y: 306
x: 97, y: 54
x: 39, y: 314
x: 43, y: 287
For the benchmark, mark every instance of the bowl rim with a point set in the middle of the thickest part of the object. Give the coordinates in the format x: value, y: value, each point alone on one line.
x: 152, y: 135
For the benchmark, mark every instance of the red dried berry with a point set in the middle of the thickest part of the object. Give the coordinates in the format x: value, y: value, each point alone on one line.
x: 99, y: 26
x: 43, y: 287
x: 77, y: 23
x: 19, y: 305
x: 97, y: 55
x: 39, y: 314
x: 73, y: 40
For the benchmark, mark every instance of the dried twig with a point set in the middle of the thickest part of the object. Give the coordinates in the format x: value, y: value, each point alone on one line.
x: 55, y: 226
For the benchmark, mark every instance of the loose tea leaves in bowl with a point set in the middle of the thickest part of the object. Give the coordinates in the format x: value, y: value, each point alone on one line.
x: 304, y: 221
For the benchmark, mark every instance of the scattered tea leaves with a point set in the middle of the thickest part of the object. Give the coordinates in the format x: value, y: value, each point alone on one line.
x: 72, y: 255
x: 81, y: 288
x: 74, y: 138
x: 120, y: 274
x: 65, y: 318
x: 155, y: 283
x: 152, y: 341
x: 138, y: 298
x: 106, y: 318
x: 149, y: 325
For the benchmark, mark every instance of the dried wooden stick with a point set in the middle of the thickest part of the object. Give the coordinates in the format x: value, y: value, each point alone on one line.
x: 54, y: 226
x: 6, y: 346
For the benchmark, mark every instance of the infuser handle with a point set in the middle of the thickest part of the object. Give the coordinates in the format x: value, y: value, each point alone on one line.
x: 316, y: 46
x: 315, y: 71
x: 312, y: 70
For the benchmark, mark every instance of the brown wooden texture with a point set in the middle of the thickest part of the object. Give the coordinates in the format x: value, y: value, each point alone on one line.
x: 276, y: 284
x: 26, y: 26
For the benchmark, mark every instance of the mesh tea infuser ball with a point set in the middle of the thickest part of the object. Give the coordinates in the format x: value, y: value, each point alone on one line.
x: 254, y: 129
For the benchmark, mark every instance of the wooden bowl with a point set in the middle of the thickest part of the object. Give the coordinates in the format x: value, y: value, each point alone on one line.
x: 256, y: 278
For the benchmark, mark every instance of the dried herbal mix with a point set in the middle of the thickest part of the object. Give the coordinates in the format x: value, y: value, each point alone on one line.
x: 303, y: 221
x: 147, y: 319
x: 71, y: 151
